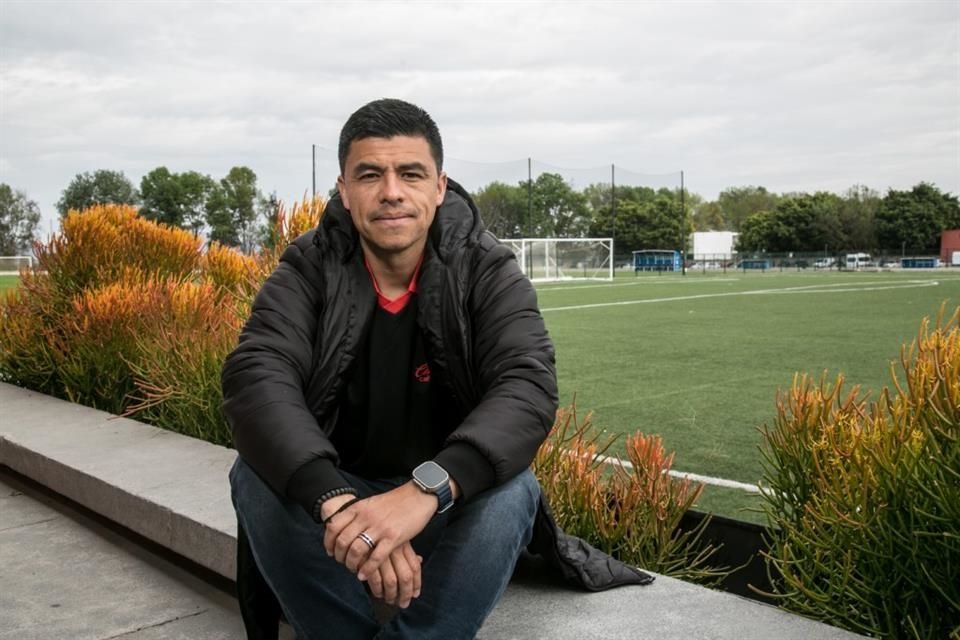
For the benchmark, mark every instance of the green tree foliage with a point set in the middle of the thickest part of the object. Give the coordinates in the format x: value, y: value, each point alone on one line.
x: 177, y: 199
x: 231, y: 209
x: 708, y: 216
x: 803, y: 222
x: 739, y: 203
x: 857, y: 218
x: 268, y: 210
x: 913, y: 220
x: 100, y: 187
x: 643, y: 218
x: 19, y: 217
x: 558, y: 210
x: 504, y: 209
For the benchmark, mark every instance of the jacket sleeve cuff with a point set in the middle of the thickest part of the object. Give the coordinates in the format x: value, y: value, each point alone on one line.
x: 472, y: 472
x: 312, y: 480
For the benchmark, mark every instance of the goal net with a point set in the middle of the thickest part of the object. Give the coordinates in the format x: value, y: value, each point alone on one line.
x: 555, y: 259
x: 13, y: 264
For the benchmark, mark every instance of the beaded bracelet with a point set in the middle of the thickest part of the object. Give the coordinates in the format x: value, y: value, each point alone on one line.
x: 342, y: 507
x: 326, y: 496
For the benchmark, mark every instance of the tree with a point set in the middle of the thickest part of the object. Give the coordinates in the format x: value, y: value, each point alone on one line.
x: 177, y: 199
x: 759, y: 232
x: 231, y: 209
x: 100, y: 187
x: 858, y: 212
x: 708, y: 216
x: 504, y: 209
x: 160, y: 192
x: 739, y: 203
x: 19, y: 217
x: 558, y: 211
x: 195, y: 190
x: 268, y: 208
x: 913, y: 220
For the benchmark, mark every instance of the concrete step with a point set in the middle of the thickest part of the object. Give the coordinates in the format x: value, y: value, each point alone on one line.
x: 173, y: 490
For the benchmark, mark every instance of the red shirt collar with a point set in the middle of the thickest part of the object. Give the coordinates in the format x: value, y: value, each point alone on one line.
x: 396, y: 305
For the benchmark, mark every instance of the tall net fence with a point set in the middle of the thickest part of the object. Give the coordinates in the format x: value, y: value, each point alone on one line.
x: 518, y: 211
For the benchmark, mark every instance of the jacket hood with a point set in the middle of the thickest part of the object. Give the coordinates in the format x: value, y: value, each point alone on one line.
x: 457, y: 222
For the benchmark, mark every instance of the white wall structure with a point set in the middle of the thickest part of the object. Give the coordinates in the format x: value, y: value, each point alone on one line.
x: 717, y: 244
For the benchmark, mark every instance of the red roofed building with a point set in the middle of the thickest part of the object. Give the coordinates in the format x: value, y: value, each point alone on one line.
x: 950, y: 247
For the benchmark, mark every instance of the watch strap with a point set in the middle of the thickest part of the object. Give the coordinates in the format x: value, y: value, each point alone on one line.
x: 444, y: 498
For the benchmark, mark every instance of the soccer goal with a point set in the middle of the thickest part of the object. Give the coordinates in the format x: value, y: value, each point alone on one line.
x: 13, y: 264
x: 555, y: 259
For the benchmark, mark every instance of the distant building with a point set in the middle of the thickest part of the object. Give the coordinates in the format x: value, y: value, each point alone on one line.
x: 714, y: 245
x: 950, y: 247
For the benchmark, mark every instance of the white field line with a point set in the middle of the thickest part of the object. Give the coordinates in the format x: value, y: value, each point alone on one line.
x: 696, y: 477
x: 547, y: 287
x: 827, y: 288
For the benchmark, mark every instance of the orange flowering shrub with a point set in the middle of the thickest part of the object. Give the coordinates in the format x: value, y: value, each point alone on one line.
x: 631, y: 511
x: 863, y: 497
x: 133, y: 317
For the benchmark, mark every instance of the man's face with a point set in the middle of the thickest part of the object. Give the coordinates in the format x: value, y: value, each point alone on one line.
x: 392, y: 188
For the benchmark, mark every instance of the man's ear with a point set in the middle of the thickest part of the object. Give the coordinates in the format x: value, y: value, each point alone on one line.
x: 342, y: 190
x: 441, y: 187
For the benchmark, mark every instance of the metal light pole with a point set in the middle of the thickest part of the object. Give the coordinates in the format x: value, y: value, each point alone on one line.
x: 683, y: 230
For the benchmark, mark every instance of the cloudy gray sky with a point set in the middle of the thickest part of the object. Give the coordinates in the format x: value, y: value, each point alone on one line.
x: 797, y: 96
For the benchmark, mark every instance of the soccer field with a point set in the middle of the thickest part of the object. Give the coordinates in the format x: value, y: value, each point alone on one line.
x: 699, y: 358
x: 8, y: 282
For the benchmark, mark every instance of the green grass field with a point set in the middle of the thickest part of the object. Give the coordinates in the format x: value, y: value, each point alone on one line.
x: 699, y: 359
x: 8, y: 282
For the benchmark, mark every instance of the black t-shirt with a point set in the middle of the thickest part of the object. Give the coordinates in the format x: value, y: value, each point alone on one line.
x: 386, y: 422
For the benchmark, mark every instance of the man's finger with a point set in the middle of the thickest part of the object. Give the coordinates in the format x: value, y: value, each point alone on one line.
x: 333, y: 530
x: 415, y: 562
x: 357, y: 552
x: 379, y: 554
x: 376, y: 585
x: 390, y: 583
x: 347, y: 543
x: 404, y: 576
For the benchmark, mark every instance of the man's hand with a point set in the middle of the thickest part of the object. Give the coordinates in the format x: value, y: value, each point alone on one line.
x: 330, y: 505
x: 397, y: 580
x: 390, y: 519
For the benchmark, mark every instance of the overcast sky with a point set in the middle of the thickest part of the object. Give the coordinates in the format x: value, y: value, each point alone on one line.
x: 798, y: 96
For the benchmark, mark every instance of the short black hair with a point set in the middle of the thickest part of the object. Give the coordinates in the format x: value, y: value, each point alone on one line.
x: 386, y: 118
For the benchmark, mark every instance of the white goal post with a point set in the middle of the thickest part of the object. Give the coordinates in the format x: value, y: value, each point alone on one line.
x: 556, y: 259
x: 13, y: 264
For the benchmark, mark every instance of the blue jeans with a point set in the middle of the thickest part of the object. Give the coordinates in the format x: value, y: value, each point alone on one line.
x: 469, y: 555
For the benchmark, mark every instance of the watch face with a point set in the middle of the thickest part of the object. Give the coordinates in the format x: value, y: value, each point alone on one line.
x: 431, y: 475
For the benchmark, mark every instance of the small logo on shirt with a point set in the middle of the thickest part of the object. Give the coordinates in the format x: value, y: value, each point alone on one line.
x: 422, y: 373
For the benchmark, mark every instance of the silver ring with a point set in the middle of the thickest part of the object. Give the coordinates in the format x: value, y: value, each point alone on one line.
x: 367, y: 540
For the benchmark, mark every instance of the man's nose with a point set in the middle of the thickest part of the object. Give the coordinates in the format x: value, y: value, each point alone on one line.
x: 391, y: 187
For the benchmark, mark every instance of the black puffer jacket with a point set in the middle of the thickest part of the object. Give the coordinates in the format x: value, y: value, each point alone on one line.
x: 483, y: 334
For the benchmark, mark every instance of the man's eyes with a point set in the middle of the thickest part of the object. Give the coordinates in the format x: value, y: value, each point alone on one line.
x: 409, y: 176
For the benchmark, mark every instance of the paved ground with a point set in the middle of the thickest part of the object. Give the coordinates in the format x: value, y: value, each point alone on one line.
x: 64, y: 575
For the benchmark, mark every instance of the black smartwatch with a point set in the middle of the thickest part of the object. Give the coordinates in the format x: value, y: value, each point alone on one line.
x: 434, y: 479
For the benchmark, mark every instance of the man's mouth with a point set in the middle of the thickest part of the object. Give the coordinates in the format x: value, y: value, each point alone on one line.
x: 388, y: 217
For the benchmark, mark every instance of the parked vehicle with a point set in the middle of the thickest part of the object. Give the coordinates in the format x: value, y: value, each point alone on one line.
x: 858, y: 261
x: 824, y: 263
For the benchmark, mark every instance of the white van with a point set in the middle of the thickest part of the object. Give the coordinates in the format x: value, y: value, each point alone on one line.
x: 857, y: 260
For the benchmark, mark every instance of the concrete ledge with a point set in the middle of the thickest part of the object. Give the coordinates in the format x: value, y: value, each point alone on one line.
x: 169, y: 488
x: 173, y: 490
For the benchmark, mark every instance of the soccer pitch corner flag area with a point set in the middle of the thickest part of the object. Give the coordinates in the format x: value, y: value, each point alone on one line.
x: 699, y: 359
